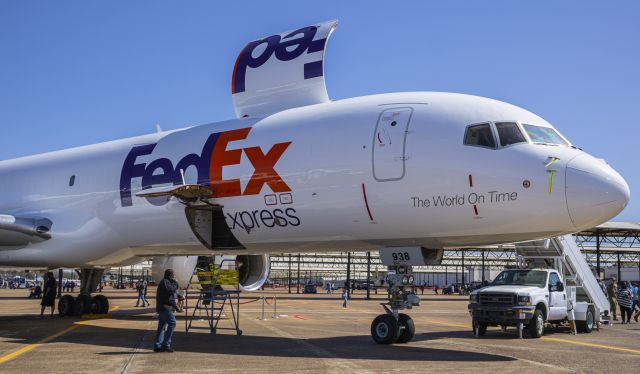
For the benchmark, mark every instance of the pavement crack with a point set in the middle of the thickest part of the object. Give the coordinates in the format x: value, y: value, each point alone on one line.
x: 136, y: 348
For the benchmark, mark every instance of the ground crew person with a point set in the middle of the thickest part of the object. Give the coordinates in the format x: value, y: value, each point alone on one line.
x: 613, y: 301
x: 165, y: 305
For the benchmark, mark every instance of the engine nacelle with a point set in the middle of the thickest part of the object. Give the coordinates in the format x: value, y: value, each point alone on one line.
x: 253, y: 271
x: 183, y: 268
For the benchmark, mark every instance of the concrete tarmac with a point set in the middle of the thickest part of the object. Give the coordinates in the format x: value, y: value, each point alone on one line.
x: 312, y: 334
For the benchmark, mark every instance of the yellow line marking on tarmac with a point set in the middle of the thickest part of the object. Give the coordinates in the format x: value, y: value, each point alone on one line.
x: 447, y: 324
x: 30, y: 347
x: 593, y: 345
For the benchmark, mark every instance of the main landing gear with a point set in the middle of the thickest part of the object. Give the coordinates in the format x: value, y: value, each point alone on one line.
x: 393, y: 327
x: 84, y: 303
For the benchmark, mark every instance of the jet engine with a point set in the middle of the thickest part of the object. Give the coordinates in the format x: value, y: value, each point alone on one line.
x: 183, y: 268
x: 253, y: 270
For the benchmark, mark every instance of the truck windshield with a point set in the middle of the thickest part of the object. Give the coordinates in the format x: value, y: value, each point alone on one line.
x: 521, y: 278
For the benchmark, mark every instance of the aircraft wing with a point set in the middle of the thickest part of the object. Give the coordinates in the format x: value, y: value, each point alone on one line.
x: 18, y: 231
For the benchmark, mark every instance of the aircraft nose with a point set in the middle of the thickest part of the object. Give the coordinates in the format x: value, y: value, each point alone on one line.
x: 595, y: 192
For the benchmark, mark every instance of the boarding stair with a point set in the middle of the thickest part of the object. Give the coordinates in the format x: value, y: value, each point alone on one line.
x: 212, y: 299
x: 563, y: 254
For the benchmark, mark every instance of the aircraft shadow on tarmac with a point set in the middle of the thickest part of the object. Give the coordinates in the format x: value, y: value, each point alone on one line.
x: 144, y: 314
x: 358, y: 347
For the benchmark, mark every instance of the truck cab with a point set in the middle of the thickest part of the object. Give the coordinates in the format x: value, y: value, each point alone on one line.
x: 527, y: 296
x: 553, y: 284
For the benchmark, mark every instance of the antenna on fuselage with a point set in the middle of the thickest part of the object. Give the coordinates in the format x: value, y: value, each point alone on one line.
x: 182, y: 175
x: 158, y: 128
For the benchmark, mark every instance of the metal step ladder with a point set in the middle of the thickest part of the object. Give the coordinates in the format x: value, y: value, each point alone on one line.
x: 563, y: 254
x: 212, y: 299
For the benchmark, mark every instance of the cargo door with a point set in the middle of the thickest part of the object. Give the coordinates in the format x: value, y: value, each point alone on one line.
x: 389, y: 144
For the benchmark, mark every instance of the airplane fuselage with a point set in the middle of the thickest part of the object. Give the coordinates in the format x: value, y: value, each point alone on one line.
x: 355, y: 174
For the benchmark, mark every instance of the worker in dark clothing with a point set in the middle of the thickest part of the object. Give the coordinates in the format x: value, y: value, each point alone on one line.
x: 165, y: 305
x: 49, y: 294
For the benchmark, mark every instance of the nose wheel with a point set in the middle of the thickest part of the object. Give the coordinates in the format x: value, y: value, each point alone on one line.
x: 393, y: 327
x: 407, y: 328
x: 385, y: 329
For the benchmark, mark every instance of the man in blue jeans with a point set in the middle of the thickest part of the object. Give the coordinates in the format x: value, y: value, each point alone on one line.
x: 165, y: 304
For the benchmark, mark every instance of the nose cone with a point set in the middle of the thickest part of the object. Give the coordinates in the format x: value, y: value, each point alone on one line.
x: 595, y: 192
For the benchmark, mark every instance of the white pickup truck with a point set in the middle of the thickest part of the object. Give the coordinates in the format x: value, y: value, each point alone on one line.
x: 538, y: 293
x: 529, y: 298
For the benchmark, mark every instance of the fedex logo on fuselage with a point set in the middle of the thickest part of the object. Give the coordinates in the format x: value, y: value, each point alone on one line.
x: 209, y: 164
x: 285, y: 48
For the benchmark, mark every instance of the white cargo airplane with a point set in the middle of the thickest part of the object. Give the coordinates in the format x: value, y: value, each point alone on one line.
x: 409, y: 174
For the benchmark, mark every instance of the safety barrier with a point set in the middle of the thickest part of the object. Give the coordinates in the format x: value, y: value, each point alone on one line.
x: 274, y: 302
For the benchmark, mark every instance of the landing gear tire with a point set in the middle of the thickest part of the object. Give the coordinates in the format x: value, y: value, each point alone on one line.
x: 407, y: 327
x: 81, y: 305
x: 479, y: 328
x: 385, y: 329
x: 536, y: 326
x: 65, y: 305
x: 99, y: 304
x: 588, y: 324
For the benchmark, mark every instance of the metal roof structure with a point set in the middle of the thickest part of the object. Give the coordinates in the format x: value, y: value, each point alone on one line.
x: 610, y: 244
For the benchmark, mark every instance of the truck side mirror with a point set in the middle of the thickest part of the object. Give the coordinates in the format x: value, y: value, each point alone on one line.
x: 560, y: 286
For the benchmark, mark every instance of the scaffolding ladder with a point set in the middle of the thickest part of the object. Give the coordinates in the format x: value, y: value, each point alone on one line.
x: 212, y: 299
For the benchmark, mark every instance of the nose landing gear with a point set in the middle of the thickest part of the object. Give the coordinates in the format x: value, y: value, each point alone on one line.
x: 393, y: 327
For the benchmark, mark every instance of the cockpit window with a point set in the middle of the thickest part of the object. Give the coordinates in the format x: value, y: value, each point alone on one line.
x: 509, y: 133
x: 543, y: 135
x: 480, y: 135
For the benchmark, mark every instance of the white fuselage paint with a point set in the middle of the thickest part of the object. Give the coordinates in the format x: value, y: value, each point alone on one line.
x: 427, y: 201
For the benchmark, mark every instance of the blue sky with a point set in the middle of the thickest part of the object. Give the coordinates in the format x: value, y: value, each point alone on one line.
x: 81, y: 72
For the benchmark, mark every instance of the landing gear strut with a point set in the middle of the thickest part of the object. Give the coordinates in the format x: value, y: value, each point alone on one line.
x: 393, y: 327
x: 84, y: 303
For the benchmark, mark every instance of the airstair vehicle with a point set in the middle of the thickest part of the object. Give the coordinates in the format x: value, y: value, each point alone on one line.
x: 553, y: 285
x: 563, y: 254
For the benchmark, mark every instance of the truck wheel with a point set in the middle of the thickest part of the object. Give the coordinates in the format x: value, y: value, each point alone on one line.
x: 536, y: 326
x: 479, y: 328
x: 588, y: 324
x: 384, y: 329
x: 409, y: 329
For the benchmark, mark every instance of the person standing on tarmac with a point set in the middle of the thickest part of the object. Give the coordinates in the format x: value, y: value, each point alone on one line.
x: 636, y: 302
x: 142, y: 290
x: 49, y: 294
x: 345, y: 297
x: 165, y: 305
x: 612, y: 292
x: 625, y: 302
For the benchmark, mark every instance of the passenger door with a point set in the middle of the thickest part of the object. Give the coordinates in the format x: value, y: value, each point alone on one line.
x: 557, y: 298
x: 389, y: 144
